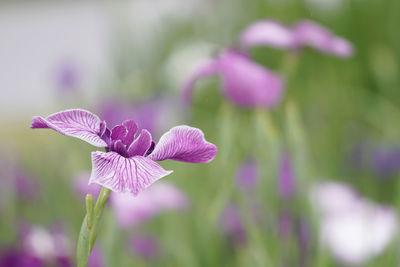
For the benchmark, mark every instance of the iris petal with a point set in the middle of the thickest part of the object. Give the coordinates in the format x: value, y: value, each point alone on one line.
x: 124, y: 175
x: 77, y: 123
x: 184, y: 143
x: 209, y: 69
x: 140, y: 146
x: 267, y: 32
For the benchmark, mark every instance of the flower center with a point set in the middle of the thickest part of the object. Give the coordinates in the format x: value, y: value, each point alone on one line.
x: 127, y: 141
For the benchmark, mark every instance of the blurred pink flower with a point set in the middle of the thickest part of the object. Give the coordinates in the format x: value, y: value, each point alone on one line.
x: 268, y: 32
x: 244, y: 82
x: 158, y: 198
x: 354, y: 229
x: 304, y: 33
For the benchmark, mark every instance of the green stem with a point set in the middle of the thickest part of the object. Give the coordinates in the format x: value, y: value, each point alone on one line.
x: 98, y: 211
x: 88, y: 233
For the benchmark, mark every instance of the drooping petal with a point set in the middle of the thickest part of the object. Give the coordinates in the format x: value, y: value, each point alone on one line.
x: 341, y: 47
x: 124, y: 175
x: 140, y: 146
x: 184, y: 143
x: 249, y: 84
x: 267, y: 32
x: 209, y: 69
x: 77, y: 123
x: 309, y: 33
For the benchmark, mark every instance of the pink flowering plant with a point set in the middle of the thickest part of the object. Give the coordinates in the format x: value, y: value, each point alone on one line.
x: 128, y: 164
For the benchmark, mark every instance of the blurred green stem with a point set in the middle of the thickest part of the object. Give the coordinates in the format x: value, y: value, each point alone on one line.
x: 88, y: 233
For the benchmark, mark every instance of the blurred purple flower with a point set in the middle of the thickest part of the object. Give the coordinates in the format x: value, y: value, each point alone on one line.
x: 15, y: 180
x: 82, y: 187
x: 39, y: 247
x: 286, y: 179
x: 145, y: 247
x: 386, y: 162
x: 247, y: 174
x: 129, y: 165
x: 382, y: 161
x: 244, y: 82
x: 354, y: 229
x: 67, y: 76
x: 304, y: 33
x: 14, y: 257
x: 231, y: 224
x: 158, y: 198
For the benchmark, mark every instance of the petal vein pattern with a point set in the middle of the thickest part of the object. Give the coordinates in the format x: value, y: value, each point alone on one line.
x: 184, y: 143
x: 77, y: 123
x: 124, y: 175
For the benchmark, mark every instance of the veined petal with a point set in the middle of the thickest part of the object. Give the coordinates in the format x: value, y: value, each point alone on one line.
x: 141, y: 145
x: 124, y: 175
x: 249, y: 84
x: 118, y: 132
x: 184, y: 143
x: 267, y: 32
x: 132, y: 128
x: 209, y: 69
x: 77, y: 123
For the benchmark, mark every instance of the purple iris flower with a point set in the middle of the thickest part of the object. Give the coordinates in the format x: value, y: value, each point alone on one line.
x: 244, y: 82
x: 304, y: 33
x: 129, y: 165
x: 286, y: 181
